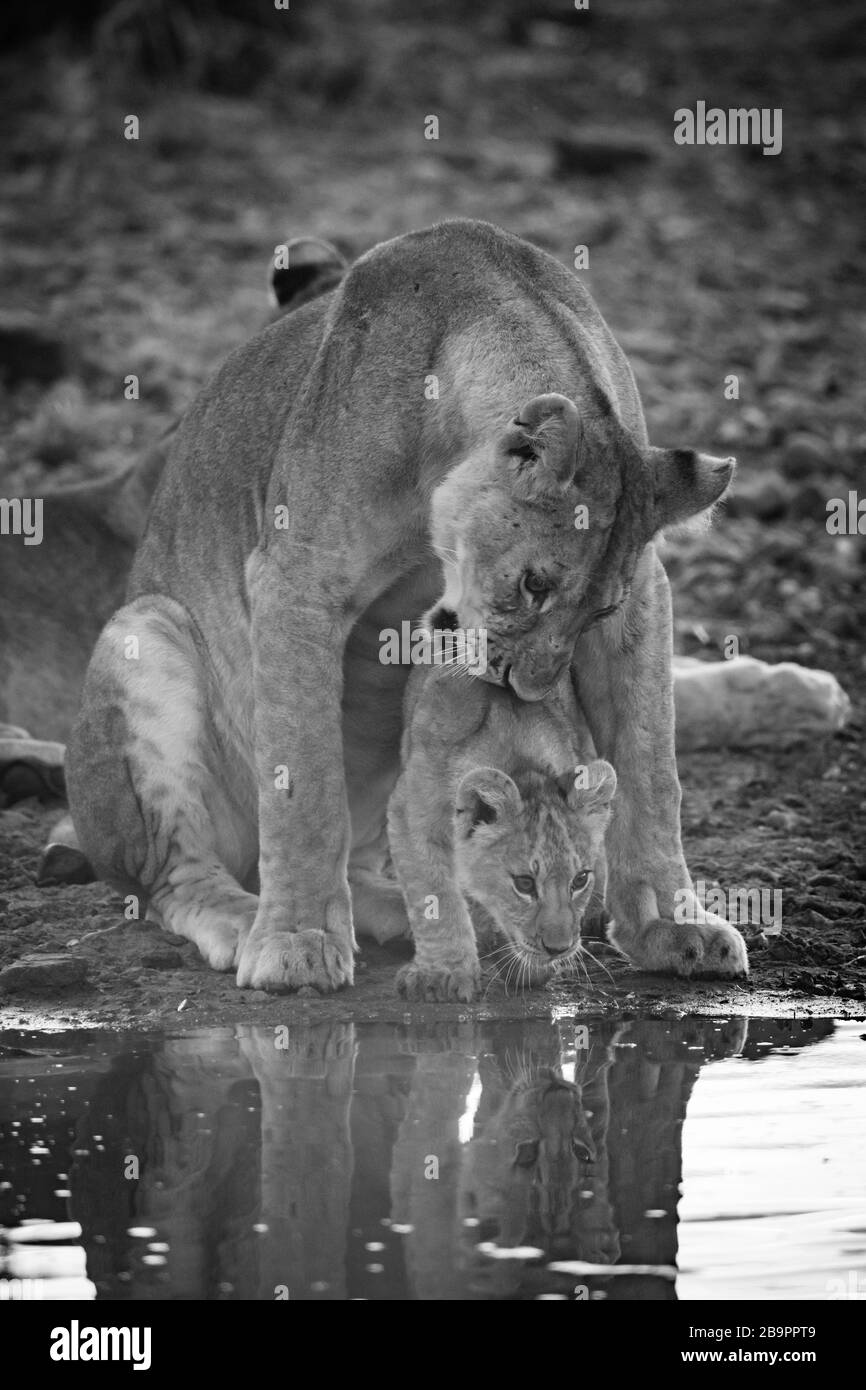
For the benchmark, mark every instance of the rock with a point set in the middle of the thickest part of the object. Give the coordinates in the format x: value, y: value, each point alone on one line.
x: 30, y: 767
x: 49, y: 972
x: 30, y: 351
x: 784, y: 303
x: 809, y: 501
x: 823, y: 879
x: 783, y: 820
x: 782, y: 950
x: 63, y: 864
x: 599, y: 152
x: 805, y: 455
x: 763, y: 495
x: 746, y: 703
x: 163, y: 958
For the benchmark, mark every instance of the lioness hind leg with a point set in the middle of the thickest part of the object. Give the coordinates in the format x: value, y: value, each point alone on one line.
x: 147, y: 785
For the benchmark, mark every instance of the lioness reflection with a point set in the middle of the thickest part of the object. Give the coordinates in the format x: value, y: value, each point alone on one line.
x: 338, y: 1162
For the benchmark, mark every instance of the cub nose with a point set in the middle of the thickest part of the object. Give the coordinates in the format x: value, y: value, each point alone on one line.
x: 555, y: 950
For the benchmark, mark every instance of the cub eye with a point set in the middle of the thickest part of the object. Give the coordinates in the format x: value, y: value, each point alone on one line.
x: 535, y: 587
x: 524, y: 884
x: 579, y: 882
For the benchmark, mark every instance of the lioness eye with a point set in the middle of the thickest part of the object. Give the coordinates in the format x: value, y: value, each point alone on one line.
x: 535, y: 587
x: 524, y: 884
x: 579, y: 882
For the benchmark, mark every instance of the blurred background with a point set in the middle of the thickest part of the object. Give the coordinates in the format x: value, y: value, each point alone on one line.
x: 256, y: 123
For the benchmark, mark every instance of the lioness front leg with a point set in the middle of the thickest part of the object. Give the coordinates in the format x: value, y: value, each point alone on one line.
x: 446, y: 956
x: 622, y: 674
x: 302, y: 933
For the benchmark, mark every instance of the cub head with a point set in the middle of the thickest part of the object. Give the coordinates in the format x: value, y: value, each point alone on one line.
x: 540, y: 532
x: 527, y: 1168
x: 527, y: 851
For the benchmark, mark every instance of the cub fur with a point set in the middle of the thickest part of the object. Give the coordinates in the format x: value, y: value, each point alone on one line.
x: 500, y: 804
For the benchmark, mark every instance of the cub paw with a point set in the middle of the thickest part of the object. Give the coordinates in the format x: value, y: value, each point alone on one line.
x: 710, y: 949
x: 438, y: 984
x: 294, y: 961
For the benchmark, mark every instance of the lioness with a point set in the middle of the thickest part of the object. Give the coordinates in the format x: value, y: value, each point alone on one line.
x: 315, y: 491
x: 496, y: 805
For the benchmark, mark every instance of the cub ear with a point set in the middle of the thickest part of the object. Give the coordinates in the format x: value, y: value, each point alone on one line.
x: 542, y: 441
x: 526, y: 1152
x: 589, y: 789
x: 484, y: 795
x: 314, y: 268
x: 686, y: 483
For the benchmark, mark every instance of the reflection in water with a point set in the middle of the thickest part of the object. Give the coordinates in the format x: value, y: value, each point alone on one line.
x: 473, y: 1161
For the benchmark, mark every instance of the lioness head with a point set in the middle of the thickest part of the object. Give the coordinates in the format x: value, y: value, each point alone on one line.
x: 527, y: 851
x: 540, y: 532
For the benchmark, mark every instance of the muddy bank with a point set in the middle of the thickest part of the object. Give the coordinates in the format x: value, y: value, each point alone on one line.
x: 744, y: 825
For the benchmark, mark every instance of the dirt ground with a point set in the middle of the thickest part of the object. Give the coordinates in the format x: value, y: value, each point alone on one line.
x: 150, y: 257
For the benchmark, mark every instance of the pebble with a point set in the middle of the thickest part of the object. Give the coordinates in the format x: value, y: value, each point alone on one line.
x: 764, y: 495
x: 163, y: 958
x: 600, y: 152
x: 30, y: 351
x: 810, y: 500
x: 62, y: 864
x: 51, y: 972
x: 805, y: 455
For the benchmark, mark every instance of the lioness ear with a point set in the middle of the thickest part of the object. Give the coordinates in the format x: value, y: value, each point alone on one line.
x: 686, y: 483
x: 543, y: 440
x: 485, y: 794
x: 314, y: 267
x: 590, y: 789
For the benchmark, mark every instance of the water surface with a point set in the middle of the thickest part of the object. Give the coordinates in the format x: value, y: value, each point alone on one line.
x: 642, y: 1159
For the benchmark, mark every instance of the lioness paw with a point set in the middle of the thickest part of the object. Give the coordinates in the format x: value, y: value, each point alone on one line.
x: 437, y: 984
x: 710, y: 949
x: 295, y: 960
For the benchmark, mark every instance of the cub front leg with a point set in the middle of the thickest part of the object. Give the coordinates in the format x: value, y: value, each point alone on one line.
x: 302, y: 933
x: 446, y: 955
x: 622, y: 674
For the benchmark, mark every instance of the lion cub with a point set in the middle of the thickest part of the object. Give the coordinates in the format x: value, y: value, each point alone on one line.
x: 502, y: 803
